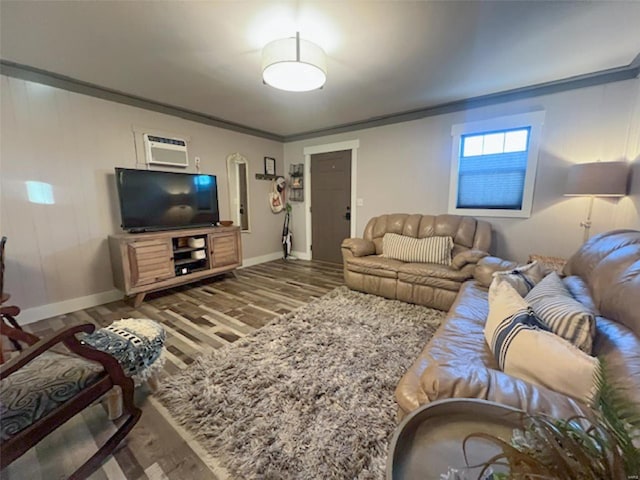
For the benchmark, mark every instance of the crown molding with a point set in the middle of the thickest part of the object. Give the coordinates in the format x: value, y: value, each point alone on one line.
x: 579, y: 81
x: 56, y: 80
x: 33, y: 74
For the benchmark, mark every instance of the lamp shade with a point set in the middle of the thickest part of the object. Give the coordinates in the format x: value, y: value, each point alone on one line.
x: 294, y: 65
x: 600, y: 179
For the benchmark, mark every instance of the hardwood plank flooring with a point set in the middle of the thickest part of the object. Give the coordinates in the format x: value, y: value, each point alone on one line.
x: 198, y: 318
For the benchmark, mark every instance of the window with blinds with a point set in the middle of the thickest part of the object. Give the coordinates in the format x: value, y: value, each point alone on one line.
x: 493, y: 166
x: 492, y: 169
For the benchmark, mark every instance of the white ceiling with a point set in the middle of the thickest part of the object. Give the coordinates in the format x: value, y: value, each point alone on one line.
x: 384, y: 57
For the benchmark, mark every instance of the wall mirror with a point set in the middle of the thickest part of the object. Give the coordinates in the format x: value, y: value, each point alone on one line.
x: 238, y: 175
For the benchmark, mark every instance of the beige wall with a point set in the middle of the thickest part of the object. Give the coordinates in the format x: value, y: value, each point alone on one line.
x: 57, y: 254
x: 405, y: 167
x: 627, y: 215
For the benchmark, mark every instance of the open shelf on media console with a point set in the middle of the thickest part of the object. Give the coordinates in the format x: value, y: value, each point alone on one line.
x: 187, y: 261
x: 187, y: 249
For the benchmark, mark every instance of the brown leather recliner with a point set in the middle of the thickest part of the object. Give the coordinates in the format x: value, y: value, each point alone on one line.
x: 427, y: 284
x: 456, y: 363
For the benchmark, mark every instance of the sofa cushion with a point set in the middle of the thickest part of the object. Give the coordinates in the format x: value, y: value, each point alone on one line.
x: 522, y: 278
x: 40, y: 387
x: 433, y: 282
x: 458, y: 363
x: 434, y: 275
x: 609, y: 264
x: 564, y: 315
x: 620, y: 349
x: 524, y: 349
x: 467, y: 232
x: 409, y: 249
x: 375, y: 265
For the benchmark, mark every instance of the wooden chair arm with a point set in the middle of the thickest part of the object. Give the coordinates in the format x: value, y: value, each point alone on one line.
x: 68, y: 338
x: 41, y: 346
x: 15, y: 334
x: 10, y: 310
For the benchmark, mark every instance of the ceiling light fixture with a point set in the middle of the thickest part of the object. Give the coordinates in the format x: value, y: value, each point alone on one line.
x: 294, y: 65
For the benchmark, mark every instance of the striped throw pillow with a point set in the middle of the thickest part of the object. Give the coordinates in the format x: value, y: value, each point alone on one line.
x: 526, y: 349
x: 564, y: 315
x: 523, y: 278
x: 424, y: 250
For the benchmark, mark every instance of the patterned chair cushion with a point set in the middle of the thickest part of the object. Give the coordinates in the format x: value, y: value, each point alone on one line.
x: 137, y: 344
x: 41, y: 386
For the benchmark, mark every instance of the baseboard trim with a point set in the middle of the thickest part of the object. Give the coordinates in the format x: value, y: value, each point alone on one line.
x: 34, y: 314
x: 301, y: 255
x: 249, y: 262
x: 30, y: 315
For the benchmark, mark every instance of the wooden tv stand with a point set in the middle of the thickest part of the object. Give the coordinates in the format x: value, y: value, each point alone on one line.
x: 147, y: 262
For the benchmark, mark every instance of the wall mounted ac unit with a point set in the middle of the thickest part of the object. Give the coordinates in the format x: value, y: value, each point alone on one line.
x: 165, y: 151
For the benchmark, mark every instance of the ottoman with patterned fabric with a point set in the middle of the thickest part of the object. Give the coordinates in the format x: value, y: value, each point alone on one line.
x: 138, y: 345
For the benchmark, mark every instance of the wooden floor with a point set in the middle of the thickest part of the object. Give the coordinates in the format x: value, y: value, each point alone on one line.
x: 198, y: 318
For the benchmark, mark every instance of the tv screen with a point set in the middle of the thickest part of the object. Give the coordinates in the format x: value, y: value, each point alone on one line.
x: 152, y: 200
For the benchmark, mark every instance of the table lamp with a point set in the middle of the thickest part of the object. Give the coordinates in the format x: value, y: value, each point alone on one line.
x: 599, y: 179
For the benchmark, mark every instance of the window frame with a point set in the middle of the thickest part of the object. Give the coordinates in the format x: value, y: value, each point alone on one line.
x: 533, y: 120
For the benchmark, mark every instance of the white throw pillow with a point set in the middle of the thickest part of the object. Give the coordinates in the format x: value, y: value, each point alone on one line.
x: 423, y: 250
x: 523, y: 278
x: 563, y: 314
x: 524, y: 349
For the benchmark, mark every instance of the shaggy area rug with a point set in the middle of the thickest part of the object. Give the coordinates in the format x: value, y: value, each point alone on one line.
x: 309, y: 396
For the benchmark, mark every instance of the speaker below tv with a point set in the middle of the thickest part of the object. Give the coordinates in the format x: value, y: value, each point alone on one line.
x: 152, y: 200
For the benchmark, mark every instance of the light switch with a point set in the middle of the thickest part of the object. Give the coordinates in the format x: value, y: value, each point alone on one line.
x: 359, y: 202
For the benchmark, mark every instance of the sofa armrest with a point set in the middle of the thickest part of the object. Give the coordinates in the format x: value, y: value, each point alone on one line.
x: 479, y: 381
x: 487, y: 266
x: 467, y: 257
x: 359, y: 247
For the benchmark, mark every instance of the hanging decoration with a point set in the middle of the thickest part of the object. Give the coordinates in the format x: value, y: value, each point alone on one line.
x: 276, y: 196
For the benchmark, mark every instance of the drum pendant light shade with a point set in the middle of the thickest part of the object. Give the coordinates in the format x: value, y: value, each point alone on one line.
x: 294, y: 65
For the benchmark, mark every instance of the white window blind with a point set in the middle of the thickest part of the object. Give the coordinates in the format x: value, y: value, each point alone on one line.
x: 492, y: 170
x: 493, y: 165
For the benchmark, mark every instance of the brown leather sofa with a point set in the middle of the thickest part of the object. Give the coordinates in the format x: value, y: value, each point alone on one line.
x: 604, y: 275
x: 423, y: 283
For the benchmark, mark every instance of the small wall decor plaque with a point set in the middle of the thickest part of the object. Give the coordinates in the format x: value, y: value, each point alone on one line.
x: 269, y: 166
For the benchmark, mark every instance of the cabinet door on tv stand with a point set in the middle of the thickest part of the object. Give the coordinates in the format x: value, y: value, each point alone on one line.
x: 225, y: 249
x: 150, y: 261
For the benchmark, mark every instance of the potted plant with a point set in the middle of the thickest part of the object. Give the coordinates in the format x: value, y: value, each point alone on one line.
x: 602, y: 444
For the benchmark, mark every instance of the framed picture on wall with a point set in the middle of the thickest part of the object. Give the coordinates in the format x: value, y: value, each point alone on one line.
x: 269, y: 166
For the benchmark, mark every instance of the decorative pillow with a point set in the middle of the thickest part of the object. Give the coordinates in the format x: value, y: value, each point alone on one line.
x: 423, y: 250
x: 523, y: 278
x: 525, y: 349
x: 137, y: 344
x: 564, y: 315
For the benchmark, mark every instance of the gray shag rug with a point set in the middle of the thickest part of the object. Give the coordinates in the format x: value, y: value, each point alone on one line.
x: 310, y: 395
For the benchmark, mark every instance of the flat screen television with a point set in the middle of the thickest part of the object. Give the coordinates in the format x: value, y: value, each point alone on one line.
x: 152, y: 200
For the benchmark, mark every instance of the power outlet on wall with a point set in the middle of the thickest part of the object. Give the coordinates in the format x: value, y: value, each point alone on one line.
x: 196, y: 161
